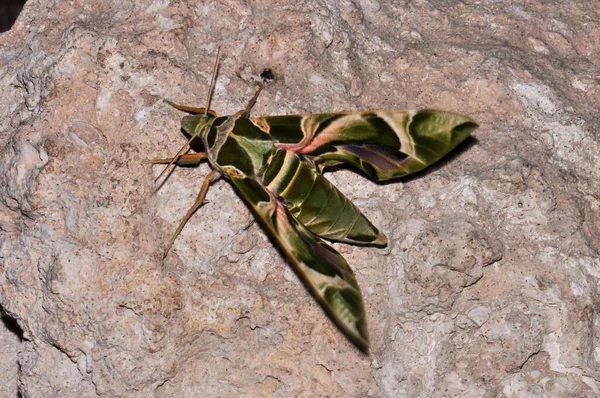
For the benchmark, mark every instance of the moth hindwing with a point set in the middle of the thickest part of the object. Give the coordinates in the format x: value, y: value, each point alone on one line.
x: 275, y: 163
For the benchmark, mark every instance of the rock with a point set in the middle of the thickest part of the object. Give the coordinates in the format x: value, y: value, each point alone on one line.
x: 489, y: 284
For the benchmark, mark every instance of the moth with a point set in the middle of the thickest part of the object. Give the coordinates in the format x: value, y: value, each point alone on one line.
x: 276, y: 165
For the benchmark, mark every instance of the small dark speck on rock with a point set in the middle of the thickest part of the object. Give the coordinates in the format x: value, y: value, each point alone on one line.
x: 267, y: 74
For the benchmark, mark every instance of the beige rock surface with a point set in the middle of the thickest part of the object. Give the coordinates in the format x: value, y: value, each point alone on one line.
x: 489, y: 285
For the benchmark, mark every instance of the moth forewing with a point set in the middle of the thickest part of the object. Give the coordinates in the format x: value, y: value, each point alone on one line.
x: 381, y: 144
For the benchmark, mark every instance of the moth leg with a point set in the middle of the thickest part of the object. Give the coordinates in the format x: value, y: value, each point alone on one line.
x: 189, y: 159
x: 246, y: 112
x: 180, y: 152
x: 190, y: 109
x: 210, y: 178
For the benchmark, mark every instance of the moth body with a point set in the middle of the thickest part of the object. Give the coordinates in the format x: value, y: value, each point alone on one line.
x: 276, y: 165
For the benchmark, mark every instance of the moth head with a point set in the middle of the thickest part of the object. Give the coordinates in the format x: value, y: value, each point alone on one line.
x: 197, y: 125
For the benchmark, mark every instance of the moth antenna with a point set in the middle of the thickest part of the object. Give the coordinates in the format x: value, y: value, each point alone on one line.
x: 210, y: 91
x: 212, y: 81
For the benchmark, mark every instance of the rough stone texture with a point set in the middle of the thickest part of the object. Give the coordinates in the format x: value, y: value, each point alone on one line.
x: 489, y: 285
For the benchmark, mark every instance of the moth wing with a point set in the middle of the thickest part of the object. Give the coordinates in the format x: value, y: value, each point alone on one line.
x: 315, y: 202
x: 382, y: 144
x: 322, y: 269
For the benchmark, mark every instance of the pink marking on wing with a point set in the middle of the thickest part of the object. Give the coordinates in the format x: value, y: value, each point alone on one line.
x: 330, y: 133
x: 326, y: 136
x: 379, y: 157
x: 291, y: 147
x: 306, y: 146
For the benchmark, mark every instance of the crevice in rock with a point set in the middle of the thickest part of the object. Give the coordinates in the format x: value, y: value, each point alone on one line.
x: 518, y: 368
x: 9, y: 12
x: 11, y: 324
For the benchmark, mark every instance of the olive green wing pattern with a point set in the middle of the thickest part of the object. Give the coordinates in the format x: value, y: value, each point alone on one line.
x: 322, y: 269
x: 382, y: 144
x: 316, y: 203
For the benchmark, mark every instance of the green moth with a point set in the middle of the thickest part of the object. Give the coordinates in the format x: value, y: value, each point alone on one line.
x: 276, y: 164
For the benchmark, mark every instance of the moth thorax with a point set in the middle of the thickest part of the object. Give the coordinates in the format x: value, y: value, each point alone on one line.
x: 197, y: 125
